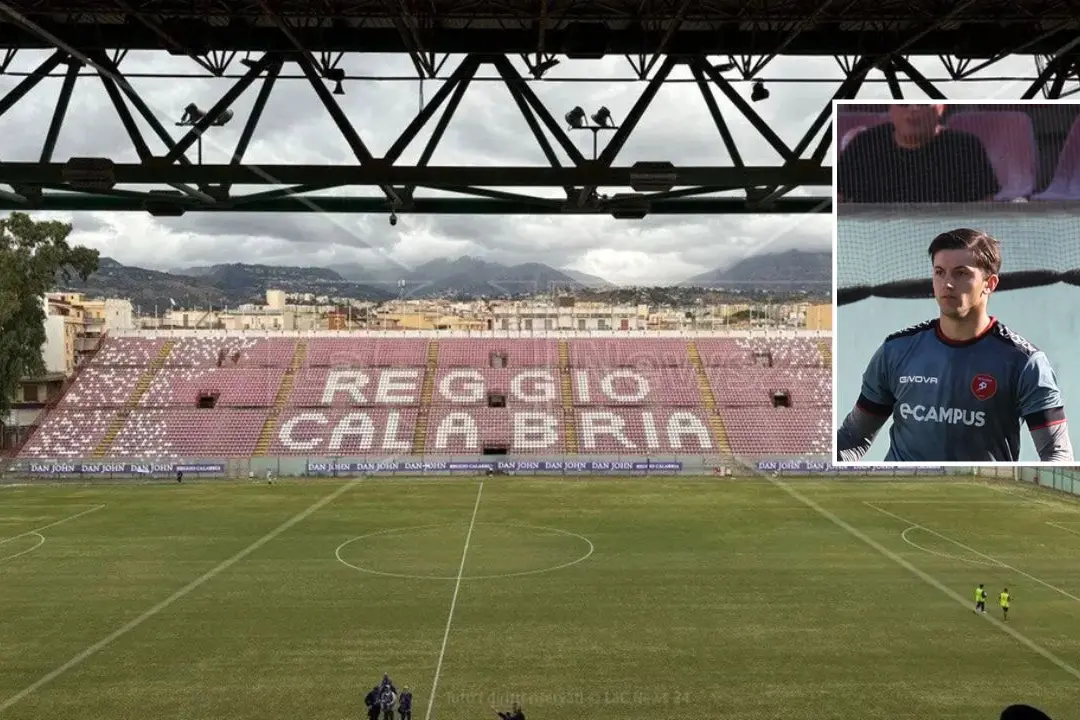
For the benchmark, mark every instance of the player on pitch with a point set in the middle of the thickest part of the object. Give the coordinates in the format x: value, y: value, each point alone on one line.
x: 958, y: 387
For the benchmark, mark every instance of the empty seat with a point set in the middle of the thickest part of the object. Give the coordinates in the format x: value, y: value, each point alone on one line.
x: 1065, y: 185
x: 382, y: 398
x: 1009, y: 139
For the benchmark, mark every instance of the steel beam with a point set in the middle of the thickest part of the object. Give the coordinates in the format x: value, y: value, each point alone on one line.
x: 352, y: 137
x: 256, y: 114
x: 464, y: 72
x: 31, y: 81
x: 231, y: 95
x: 60, y: 111
x: 903, y: 65
x: 72, y: 202
x: 825, y: 39
x: 796, y: 172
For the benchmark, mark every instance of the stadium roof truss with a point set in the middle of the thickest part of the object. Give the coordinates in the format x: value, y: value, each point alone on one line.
x: 302, y: 39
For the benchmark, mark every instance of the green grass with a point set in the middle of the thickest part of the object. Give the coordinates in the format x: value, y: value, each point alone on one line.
x: 700, y: 598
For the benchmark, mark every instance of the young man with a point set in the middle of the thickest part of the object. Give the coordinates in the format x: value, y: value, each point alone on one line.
x: 958, y: 387
x: 1004, y: 598
x: 980, y: 599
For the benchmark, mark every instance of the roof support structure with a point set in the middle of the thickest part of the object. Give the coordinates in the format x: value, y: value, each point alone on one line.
x: 880, y: 37
x: 170, y: 183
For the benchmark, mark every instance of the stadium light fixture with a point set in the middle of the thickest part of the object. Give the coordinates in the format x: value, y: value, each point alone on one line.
x: 601, y: 119
x: 193, y: 114
x: 337, y: 76
x: 541, y: 69
x: 576, y: 118
x: 759, y: 91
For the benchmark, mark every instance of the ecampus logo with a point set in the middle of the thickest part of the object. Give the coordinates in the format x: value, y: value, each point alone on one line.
x: 946, y: 415
x: 924, y: 379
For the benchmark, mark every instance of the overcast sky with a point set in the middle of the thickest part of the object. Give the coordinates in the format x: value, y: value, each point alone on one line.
x: 487, y: 130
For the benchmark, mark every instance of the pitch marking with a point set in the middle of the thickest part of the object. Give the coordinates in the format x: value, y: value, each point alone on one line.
x: 1059, y: 526
x: 52, y: 524
x: 40, y: 542
x: 963, y: 503
x: 202, y: 579
x: 926, y: 577
x: 453, y: 603
x: 391, y: 531
x: 973, y: 551
x: 947, y: 556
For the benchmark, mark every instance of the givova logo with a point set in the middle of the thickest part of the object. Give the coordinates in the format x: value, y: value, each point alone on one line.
x: 947, y: 415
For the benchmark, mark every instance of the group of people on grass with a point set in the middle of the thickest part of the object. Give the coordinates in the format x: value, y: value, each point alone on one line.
x: 383, y: 698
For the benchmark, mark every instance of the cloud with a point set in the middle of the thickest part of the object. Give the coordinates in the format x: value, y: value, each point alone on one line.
x: 487, y: 130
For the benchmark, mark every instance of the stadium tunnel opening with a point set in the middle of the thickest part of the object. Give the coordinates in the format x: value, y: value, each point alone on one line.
x: 207, y: 400
x: 496, y: 400
x: 781, y: 398
x: 498, y: 360
x: 494, y: 450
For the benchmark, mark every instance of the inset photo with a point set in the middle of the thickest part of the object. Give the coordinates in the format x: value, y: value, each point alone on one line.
x: 956, y: 335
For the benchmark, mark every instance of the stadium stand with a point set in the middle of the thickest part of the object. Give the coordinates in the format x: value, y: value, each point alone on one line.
x: 147, y: 398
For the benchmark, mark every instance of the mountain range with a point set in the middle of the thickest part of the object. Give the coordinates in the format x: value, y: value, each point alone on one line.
x: 791, y: 271
x: 465, y: 277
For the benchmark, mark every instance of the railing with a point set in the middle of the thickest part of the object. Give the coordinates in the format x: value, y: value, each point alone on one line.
x: 1065, y: 479
x: 459, y: 465
x: 581, y: 466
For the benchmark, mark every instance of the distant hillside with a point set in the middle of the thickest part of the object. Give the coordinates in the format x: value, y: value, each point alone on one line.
x: 217, y: 285
x: 791, y: 271
x: 470, y: 277
x: 463, y: 277
x: 593, y: 282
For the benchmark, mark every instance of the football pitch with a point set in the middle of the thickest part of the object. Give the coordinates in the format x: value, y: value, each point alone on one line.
x: 638, y: 598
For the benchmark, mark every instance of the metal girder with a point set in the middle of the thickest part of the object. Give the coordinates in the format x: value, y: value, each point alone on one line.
x: 598, y: 186
x: 447, y: 177
x: 433, y: 206
x: 978, y: 40
x: 585, y: 185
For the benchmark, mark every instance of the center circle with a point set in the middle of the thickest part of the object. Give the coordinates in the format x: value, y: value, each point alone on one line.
x: 433, y: 552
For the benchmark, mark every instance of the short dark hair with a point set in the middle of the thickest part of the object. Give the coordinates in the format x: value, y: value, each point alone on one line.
x: 986, y: 249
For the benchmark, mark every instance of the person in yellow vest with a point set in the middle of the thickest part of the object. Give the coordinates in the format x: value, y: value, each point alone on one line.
x: 980, y: 599
x: 1005, y: 598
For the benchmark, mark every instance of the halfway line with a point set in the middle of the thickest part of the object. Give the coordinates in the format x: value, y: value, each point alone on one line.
x: 928, y: 579
x: 209, y: 575
x: 453, y: 604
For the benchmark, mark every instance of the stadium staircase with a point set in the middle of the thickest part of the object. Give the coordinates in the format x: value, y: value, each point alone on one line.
x: 121, y: 418
x: 281, y: 400
x: 708, y: 399
x: 427, y: 394
x: 825, y: 347
x: 569, y: 421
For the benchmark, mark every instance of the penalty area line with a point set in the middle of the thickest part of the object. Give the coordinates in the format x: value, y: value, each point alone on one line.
x: 52, y: 524
x: 926, y: 577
